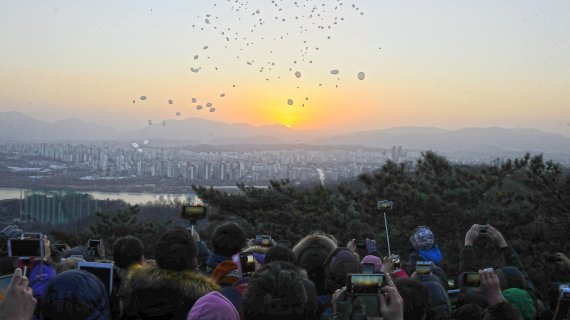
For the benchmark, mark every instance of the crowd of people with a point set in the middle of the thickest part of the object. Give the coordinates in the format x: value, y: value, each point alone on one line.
x: 235, y: 278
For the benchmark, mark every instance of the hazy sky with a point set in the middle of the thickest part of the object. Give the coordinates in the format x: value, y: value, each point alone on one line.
x: 448, y: 64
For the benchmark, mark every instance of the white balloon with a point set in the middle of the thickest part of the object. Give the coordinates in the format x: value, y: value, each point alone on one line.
x: 194, y: 100
x: 170, y: 102
x: 361, y: 76
x: 212, y: 109
x: 208, y: 105
x: 298, y: 74
x: 145, y: 142
x: 135, y: 145
x: 290, y: 102
x: 199, y: 107
x: 335, y: 71
x: 178, y: 114
x: 143, y: 98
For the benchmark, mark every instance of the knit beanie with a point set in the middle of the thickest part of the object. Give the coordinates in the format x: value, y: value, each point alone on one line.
x: 522, y: 301
x: 338, y: 265
x: 375, y: 260
x: 226, y: 273
x: 213, y: 306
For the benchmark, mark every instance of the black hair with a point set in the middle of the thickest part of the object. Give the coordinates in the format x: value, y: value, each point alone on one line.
x: 176, y: 250
x: 415, y: 296
x: 277, y: 291
x: 127, y: 250
x: 228, y: 239
x: 281, y: 253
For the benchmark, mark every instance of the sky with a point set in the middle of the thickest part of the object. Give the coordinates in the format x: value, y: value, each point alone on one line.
x: 448, y: 64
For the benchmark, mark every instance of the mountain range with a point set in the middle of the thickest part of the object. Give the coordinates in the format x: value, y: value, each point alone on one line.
x: 20, y: 127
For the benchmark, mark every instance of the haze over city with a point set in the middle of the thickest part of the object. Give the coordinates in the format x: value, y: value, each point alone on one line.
x: 332, y: 66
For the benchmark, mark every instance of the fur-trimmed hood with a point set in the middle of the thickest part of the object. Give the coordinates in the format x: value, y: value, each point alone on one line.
x: 314, y: 240
x: 152, y: 292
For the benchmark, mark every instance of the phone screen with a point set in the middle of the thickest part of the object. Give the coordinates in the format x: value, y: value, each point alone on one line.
x: 25, y: 248
x: 471, y: 279
x: 103, y: 273
x: 365, y: 283
x: 368, y: 268
x: 94, y: 243
x: 423, y: 267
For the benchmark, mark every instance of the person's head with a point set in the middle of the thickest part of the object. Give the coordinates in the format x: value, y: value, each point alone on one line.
x: 337, y: 266
x: 281, y: 253
x: 76, y: 293
x: 228, y: 239
x: 415, y: 296
x: 213, y: 306
x: 522, y: 301
x: 127, y: 251
x: 374, y: 260
x: 422, y: 238
x: 311, y: 252
x: 510, y: 277
x: 277, y: 291
x: 176, y: 250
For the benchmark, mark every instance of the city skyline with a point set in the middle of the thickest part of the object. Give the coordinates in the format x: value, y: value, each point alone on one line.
x: 445, y: 64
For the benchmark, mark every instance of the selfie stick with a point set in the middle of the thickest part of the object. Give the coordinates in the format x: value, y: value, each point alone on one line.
x: 387, y: 236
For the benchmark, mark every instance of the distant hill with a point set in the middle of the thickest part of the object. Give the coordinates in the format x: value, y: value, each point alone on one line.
x: 213, y: 132
x: 196, y: 131
x: 18, y: 126
x: 482, y: 140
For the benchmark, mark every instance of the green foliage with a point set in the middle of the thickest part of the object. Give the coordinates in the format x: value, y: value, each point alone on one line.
x: 527, y: 199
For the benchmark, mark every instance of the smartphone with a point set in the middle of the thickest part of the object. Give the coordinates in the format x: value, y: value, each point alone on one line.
x: 94, y: 243
x: 423, y: 267
x: 454, y: 296
x: 385, y: 204
x: 365, y: 283
x: 26, y: 248
x: 361, y: 244
x: 193, y: 212
x: 263, y: 240
x: 396, y: 260
x: 482, y: 228
x: 471, y: 279
x: 245, y: 263
x: 102, y: 270
x: 32, y: 235
x: 368, y: 268
x: 563, y: 304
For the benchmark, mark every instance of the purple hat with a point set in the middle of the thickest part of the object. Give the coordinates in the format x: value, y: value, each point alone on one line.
x: 213, y: 306
x: 375, y: 260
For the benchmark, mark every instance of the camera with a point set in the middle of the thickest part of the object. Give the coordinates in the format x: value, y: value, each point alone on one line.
x: 563, y: 304
x: 423, y: 267
x: 482, y: 228
x: 368, y: 268
x: 385, y: 204
x: 361, y: 244
x: 263, y: 240
x: 92, y: 245
x: 245, y: 263
x: 365, y: 283
x: 26, y: 248
x: 193, y: 213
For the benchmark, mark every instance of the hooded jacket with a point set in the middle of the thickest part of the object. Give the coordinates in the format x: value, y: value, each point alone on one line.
x: 311, y: 252
x: 154, y: 293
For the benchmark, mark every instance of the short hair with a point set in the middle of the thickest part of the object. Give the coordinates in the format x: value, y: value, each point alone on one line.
x: 415, y: 296
x: 281, y: 253
x: 228, y: 239
x: 277, y: 291
x: 176, y: 250
x: 127, y: 250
